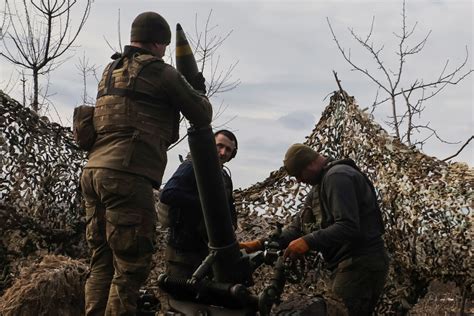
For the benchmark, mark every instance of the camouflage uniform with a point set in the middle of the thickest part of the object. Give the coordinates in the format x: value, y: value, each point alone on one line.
x: 136, y: 119
x: 346, y: 227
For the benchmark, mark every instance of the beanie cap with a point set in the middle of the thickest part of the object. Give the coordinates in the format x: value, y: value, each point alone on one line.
x: 150, y: 27
x: 297, y: 158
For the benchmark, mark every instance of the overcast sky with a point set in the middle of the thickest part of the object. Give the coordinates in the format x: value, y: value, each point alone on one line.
x: 286, y: 56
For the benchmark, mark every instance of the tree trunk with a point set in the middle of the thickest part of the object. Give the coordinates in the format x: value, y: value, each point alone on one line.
x: 35, y: 105
x: 395, y: 118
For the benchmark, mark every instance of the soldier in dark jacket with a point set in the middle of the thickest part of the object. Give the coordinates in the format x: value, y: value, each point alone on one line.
x: 340, y: 219
x: 136, y: 118
x: 187, y: 239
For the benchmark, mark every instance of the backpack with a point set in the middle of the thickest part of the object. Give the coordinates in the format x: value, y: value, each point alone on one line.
x: 83, y: 126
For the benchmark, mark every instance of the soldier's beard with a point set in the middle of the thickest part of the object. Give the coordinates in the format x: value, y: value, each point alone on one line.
x: 222, y: 161
x: 317, y: 178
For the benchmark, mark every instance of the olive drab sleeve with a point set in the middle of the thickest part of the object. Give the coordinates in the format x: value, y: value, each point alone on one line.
x: 194, y: 106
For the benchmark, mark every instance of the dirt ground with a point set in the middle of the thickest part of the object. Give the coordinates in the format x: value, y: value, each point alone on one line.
x: 442, y: 299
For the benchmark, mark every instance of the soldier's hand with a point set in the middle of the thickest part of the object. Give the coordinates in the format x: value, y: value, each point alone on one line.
x: 297, y: 248
x: 199, y: 82
x: 251, y: 246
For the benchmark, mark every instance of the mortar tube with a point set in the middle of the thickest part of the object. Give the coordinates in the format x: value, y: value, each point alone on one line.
x: 214, y: 203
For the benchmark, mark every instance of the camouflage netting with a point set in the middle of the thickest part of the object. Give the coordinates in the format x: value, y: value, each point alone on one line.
x: 40, y: 207
x: 427, y: 204
x: 52, y: 287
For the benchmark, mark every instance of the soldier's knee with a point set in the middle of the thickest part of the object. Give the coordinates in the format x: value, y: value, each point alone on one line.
x: 125, y: 234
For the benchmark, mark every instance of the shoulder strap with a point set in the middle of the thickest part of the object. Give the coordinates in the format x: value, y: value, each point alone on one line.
x: 107, y: 84
x: 109, y: 89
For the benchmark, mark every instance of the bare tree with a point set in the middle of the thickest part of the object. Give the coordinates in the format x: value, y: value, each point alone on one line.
x: 40, y: 34
x: 23, y: 87
x: 403, y: 121
x: 117, y: 49
x: 8, y: 84
x: 85, y: 71
x: 207, y: 44
x: 4, y: 19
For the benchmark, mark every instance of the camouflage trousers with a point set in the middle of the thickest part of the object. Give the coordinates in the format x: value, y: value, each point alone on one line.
x: 359, y: 282
x: 120, y: 231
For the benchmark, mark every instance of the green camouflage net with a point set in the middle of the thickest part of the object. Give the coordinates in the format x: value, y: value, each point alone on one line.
x: 426, y: 203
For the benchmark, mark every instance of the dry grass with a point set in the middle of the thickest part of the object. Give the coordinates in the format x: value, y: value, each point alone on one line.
x: 54, y: 286
x: 442, y: 299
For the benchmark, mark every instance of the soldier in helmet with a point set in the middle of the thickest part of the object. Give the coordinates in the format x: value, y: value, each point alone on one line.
x: 136, y: 118
x: 340, y: 219
x: 187, y: 238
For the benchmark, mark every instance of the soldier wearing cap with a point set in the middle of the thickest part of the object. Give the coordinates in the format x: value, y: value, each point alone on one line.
x: 136, y: 118
x: 340, y: 219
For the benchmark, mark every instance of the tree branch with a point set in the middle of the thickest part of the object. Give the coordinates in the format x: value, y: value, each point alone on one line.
x: 460, y: 150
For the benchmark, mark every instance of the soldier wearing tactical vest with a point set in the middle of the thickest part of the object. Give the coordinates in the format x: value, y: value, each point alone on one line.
x: 187, y: 244
x: 136, y: 118
x: 340, y: 219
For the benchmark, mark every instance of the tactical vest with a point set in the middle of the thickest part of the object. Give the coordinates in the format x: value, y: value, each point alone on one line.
x: 121, y: 106
x: 312, y: 213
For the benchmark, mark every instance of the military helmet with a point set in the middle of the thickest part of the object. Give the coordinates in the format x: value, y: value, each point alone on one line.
x: 150, y: 27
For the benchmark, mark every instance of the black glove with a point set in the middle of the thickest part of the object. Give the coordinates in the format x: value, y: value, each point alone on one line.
x: 199, y: 82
